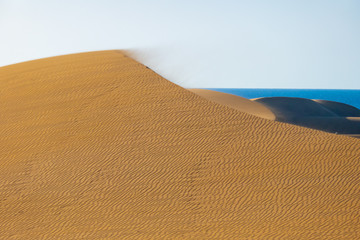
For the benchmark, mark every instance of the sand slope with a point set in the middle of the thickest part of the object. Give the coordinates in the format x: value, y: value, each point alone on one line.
x: 287, y: 108
x: 96, y: 146
x: 329, y: 116
x: 340, y: 109
x: 236, y: 102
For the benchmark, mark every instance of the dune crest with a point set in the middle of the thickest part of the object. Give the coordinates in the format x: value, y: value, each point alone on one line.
x: 96, y: 145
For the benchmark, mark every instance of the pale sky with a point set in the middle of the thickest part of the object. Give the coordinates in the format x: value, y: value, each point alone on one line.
x: 195, y: 43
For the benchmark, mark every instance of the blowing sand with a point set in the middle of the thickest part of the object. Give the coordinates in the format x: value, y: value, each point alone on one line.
x: 96, y: 146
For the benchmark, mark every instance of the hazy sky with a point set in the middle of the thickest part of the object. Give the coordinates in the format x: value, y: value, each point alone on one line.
x: 235, y: 44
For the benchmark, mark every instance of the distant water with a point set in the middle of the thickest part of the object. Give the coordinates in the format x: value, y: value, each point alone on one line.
x: 351, y: 97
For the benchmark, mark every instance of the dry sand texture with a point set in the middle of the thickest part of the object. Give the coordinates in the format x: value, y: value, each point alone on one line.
x: 97, y: 146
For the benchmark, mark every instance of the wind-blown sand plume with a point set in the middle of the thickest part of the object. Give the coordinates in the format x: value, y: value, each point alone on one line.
x: 96, y: 146
x: 236, y: 102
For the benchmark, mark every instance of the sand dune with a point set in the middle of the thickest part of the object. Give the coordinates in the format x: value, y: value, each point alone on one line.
x: 286, y: 108
x: 329, y: 116
x: 97, y: 146
x: 236, y: 102
x: 341, y: 109
x: 323, y: 115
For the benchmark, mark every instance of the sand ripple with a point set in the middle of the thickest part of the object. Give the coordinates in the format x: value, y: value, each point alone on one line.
x: 97, y: 146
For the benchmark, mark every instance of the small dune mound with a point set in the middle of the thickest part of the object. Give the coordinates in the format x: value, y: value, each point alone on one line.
x: 288, y: 108
x: 236, y: 102
x: 323, y: 115
x: 340, y: 109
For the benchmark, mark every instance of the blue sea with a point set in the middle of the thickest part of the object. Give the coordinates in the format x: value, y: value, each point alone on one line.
x: 351, y: 97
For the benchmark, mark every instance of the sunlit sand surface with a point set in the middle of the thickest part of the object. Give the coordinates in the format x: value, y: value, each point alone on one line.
x: 97, y: 146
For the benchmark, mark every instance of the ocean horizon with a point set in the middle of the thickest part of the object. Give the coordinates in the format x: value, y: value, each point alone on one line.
x: 348, y: 96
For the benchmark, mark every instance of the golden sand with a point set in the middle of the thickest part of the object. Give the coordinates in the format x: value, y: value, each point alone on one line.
x: 97, y: 146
